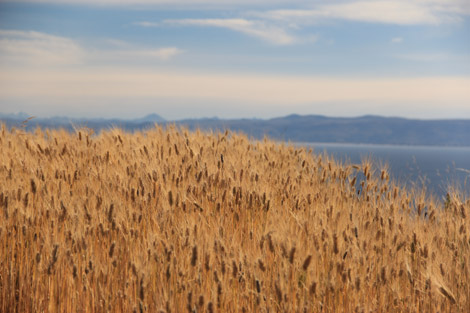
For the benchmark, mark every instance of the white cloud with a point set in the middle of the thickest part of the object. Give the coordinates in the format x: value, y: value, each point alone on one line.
x: 30, y: 48
x: 390, y: 12
x: 435, y: 57
x: 412, y: 12
x: 278, y: 26
x: 35, y: 48
x: 397, y: 40
x: 163, y: 54
x: 259, y: 29
x: 117, y: 43
x: 147, y: 24
x: 461, y: 7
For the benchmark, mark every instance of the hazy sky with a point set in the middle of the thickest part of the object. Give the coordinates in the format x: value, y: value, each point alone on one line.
x: 243, y: 58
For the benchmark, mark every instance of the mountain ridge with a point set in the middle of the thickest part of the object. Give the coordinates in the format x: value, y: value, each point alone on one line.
x: 366, y: 129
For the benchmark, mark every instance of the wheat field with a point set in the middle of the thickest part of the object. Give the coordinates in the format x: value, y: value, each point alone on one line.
x: 167, y: 220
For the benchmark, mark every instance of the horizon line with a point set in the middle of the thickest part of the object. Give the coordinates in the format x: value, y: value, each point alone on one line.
x: 26, y: 116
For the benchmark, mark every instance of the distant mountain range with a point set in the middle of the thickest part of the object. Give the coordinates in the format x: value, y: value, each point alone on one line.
x: 295, y: 128
x: 16, y: 120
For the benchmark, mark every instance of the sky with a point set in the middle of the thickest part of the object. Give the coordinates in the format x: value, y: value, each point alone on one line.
x: 235, y: 59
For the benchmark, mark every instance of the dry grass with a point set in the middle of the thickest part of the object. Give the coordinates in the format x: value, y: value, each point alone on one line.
x: 172, y: 221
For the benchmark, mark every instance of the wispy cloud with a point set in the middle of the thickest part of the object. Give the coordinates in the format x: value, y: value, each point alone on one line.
x: 35, y: 48
x: 31, y: 48
x: 434, y: 57
x: 147, y: 24
x: 256, y: 28
x: 388, y: 12
x: 397, y: 40
x: 163, y: 54
x: 283, y: 26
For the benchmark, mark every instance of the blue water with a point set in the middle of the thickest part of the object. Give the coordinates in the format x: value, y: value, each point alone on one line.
x: 436, y: 168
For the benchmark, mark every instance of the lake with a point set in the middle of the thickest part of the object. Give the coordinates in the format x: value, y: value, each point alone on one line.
x: 435, y: 167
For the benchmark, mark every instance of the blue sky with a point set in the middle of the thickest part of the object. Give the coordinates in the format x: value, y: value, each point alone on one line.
x: 195, y: 58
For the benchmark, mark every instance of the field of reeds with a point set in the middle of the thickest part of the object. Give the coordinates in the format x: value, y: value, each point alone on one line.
x: 168, y: 220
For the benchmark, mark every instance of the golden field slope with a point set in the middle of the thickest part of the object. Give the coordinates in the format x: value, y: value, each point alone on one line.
x: 173, y: 221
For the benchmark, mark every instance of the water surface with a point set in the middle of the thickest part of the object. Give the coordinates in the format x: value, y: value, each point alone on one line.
x: 435, y: 167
